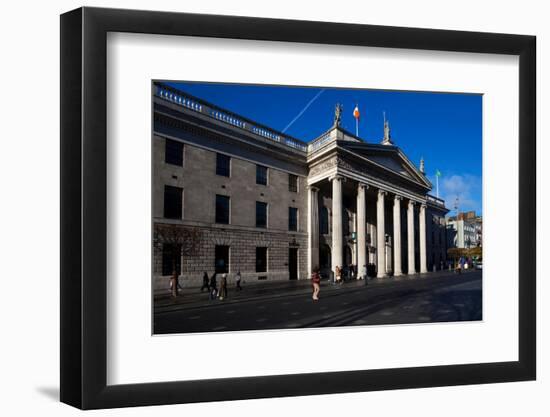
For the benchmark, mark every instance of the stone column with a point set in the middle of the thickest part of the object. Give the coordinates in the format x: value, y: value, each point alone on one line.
x: 380, y: 236
x: 361, y: 229
x: 337, y: 229
x: 397, y: 236
x: 410, y: 237
x: 313, y: 228
x: 422, y: 221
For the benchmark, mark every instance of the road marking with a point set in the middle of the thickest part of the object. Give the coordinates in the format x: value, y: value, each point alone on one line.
x: 194, y: 317
x: 219, y: 328
x: 386, y: 313
x: 361, y: 321
x: 261, y: 320
x: 423, y: 318
x: 295, y: 313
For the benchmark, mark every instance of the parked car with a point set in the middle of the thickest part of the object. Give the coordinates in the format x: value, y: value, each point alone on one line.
x: 479, y: 265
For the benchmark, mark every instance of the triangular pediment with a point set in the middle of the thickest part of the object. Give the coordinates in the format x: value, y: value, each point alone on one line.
x: 391, y: 162
x: 391, y: 158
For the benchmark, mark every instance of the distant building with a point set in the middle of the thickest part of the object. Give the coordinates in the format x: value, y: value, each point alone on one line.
x: 466, y: 231
x: 274, y: 207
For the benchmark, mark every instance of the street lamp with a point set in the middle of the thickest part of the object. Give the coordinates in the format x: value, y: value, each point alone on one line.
x: 456, y: 207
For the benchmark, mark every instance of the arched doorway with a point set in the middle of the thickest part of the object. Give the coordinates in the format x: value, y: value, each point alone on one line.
x: 324, y: 260
x: 347, y: 256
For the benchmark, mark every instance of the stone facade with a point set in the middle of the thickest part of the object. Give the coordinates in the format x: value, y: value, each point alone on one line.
x: 242, y: 244
x: 355, y: 201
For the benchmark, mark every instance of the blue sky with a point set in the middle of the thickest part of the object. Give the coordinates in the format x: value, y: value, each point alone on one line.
x: 445, y: 129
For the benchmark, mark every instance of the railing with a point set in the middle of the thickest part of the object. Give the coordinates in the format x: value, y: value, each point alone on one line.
x: 192, y: 103
x: 435, y: 200
x: 320, y: 141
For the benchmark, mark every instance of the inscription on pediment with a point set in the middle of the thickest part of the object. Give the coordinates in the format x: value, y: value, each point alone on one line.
x: 362, y: 169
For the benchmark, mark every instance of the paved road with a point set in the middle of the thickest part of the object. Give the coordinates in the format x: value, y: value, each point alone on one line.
x: 439, y: 297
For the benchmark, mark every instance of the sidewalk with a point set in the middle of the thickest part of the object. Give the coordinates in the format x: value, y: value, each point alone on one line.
x: 189, y: 298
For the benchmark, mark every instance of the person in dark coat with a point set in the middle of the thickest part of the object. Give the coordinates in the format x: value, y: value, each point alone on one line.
x: 213, y: 287
x: 205, y: 283
x: 238, y: 281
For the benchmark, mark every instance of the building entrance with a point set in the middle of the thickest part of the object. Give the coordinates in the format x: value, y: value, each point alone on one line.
x: 293, y: 263
x: 324, y: 260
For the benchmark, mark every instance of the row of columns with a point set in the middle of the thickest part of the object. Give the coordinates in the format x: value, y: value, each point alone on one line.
x: 337, y: 229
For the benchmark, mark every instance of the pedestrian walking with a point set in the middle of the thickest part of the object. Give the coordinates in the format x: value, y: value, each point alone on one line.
x: 366, y: 274
x: 338, y: 271
x: 458, y: 269
x: 205, y: 283
x: 213, y: 287
x: 238, y: 281
x: 223, y: 287
x: 174, y: 284
x: 316, y: 283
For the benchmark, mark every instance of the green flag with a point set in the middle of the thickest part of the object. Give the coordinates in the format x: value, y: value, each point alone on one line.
x: 438, y: 173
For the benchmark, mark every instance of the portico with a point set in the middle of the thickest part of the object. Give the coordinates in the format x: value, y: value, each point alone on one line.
x: 376, y: 203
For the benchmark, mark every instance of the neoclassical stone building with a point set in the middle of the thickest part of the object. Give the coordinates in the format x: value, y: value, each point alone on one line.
x: 274, y: 207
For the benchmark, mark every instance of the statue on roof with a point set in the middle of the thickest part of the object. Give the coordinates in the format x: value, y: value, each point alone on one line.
x: 387, y: 136
x: 338, y: 114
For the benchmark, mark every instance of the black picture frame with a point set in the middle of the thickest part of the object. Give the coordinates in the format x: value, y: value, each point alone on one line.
x: 84, y: 207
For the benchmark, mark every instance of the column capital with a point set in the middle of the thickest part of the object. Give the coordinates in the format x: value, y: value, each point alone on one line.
x: 363, y: 185
x: 337, y: 177
x: 313, y: 188
x: 423, y: 206
x: 382, y: 192
x: 412, y: 203
x: 398, y: 197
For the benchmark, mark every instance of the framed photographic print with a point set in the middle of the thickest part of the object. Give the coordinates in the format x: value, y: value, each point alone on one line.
x: 257, y: 208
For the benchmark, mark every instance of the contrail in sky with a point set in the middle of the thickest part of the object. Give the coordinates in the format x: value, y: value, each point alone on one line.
x: 304, y: 109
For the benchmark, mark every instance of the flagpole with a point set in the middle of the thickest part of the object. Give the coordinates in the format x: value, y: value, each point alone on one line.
x: 437, y: 185
x: 356, y: 127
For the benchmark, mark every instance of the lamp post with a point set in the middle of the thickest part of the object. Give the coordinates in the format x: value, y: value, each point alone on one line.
x: 456, y: 207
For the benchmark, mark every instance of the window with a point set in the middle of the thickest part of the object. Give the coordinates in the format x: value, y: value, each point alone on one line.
x: 323, y: 221
x: 222, y: 209
x: 261, y: 259
x: 293, y: 183
x: 261, y: 214
x: 292, y: 219
x: 173, y: 152
x: 171, y: 258
x: 261, y: 175
x: 172, y: 202
x: 221, y: 264
x: 223, y: 165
